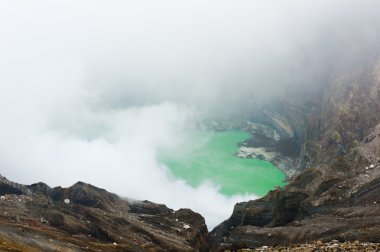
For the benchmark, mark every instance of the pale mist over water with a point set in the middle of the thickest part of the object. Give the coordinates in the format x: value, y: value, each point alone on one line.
x: 93, y: 90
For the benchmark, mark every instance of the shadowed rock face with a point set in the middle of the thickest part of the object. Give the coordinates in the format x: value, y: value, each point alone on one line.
x: 86, y: 218
x: 335, y: 151
x: 85, y: 195
x: 340, y: 201
x: 299, y: 131
x: 8, y: 189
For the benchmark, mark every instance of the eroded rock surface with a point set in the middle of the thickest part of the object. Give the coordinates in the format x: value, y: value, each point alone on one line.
x: 340, y: 202
x: 86, y: 218
x: 305, y: 130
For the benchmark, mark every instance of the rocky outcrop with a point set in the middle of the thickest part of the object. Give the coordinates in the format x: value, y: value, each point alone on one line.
x: 339, y: 201
x: 312, y: 129
x: 329, y: 146
x: 86, y: 218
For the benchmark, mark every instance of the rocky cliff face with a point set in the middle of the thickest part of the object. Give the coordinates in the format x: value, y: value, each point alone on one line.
x: 302, y: 131
x: 337, y: 158
x: 349, y: 110
x: 86, y: 218
x: 338, y: 202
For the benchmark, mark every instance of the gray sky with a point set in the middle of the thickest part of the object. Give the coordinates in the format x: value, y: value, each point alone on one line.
x: 92, y: 90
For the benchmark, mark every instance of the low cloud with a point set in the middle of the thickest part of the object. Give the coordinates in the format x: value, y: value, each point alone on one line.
x: 116, y: 150
x: 93, y: 91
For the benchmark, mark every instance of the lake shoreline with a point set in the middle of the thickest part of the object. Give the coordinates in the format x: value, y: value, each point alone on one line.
x: 214, y: 159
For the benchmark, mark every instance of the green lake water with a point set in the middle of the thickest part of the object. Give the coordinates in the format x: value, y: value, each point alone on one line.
x: 210, y: 156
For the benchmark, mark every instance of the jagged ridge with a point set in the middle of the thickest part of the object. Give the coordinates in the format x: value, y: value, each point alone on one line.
x: 86, y: 218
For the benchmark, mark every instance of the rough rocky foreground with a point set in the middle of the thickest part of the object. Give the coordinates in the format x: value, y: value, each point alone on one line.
x: 319, y: 246
x: 338, y: 202
x: 86, y: 218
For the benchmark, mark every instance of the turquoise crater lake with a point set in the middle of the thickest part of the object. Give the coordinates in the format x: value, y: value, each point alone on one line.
x: 210, y: 156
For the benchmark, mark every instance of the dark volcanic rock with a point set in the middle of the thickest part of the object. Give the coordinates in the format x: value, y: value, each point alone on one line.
x: 304, y: 130
x: 341, y: 202
x: 8, y: 189
x: 147, y: 207
x: 86, y: 218
x: 40, y: 188
x: 328, y: 144
x: 85, y: 195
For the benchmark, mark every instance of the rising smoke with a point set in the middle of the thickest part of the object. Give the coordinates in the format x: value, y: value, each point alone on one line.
x: 93, y: 90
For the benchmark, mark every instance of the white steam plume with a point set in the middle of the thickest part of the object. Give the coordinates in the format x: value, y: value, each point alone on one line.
x: 92, y: 90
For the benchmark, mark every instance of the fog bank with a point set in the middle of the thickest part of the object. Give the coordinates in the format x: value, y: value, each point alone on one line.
x: 92, y: 91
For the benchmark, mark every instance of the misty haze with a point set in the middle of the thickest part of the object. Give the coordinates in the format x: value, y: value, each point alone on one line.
x: 193, y: 104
